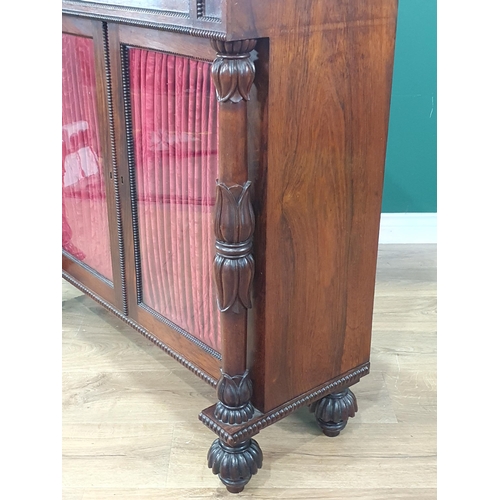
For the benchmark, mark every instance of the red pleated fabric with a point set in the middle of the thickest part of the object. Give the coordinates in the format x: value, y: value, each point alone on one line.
x: 85, y: 230
x: 174, y: 120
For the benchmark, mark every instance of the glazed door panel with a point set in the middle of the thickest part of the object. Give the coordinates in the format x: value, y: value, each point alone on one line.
x: 173, y: 121
x: 89, y: 238
x: 170, y: 128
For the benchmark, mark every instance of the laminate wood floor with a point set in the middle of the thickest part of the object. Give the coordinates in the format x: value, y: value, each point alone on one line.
x: 130, y: 412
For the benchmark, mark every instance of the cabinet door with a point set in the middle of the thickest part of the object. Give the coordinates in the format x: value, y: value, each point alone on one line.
x: 89, y: 216
x: 169, y: 123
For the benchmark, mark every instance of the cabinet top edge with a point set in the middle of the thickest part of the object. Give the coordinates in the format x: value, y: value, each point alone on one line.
x: 239, y: 19
x: 181, y: 16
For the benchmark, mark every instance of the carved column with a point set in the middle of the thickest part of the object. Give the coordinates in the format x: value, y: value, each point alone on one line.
x: 233, y: 74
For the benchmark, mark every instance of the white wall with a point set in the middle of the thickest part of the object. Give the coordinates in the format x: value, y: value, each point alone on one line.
x: 408, y: 228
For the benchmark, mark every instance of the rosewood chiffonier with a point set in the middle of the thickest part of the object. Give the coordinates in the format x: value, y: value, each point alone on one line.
x: 222, y: 175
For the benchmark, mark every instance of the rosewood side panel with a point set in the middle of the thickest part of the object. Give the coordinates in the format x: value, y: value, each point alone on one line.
x: 329, y: 93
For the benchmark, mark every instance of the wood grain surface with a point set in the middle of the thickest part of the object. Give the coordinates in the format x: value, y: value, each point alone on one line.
x: 130, y: 412
x: 330, y: 70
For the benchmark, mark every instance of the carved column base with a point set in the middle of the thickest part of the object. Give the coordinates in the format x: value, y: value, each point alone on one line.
x: 234, y: 416
x: 234, y: 393
x: 333, y: 411
x: 235, y: 465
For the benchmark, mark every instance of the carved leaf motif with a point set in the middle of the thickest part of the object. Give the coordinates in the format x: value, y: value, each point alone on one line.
x: 233, y: 278
x: 245, y: 278
x: 234, y: 391
x: 226, y: 275
x: 233, y: 72
x: 234, y: 217
x: 234, y: 225
x: 246, y: 217
x: 233, y: 78
x: 228, y: 392
x: 226, y: 213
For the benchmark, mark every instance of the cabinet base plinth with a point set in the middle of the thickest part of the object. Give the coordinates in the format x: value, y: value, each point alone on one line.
x: 234, y: 434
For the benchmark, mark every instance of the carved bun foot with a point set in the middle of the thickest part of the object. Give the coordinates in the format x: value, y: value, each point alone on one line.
x: 333, y: 411
x: 235, y: 465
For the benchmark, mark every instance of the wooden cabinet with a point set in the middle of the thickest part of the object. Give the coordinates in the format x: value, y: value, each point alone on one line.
x: 222, y: 181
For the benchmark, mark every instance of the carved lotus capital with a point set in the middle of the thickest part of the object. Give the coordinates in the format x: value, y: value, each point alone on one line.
x: 233, y: 72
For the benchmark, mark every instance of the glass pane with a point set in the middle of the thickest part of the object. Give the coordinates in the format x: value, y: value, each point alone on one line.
x: 85, y: 231
x: 174, y: 121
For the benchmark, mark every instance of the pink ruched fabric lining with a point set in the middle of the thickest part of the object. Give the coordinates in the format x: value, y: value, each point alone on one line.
x: 85, y: 230
x: 174, y: 121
